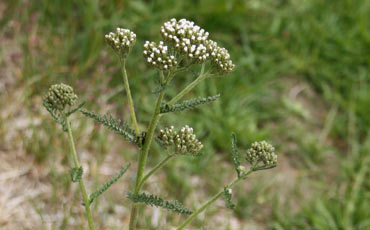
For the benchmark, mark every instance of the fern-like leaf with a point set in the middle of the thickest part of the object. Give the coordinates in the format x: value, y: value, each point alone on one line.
x: 57, y: 117
x: 228, y: 196
x: 188, y: 104
x: 105, y: 186
x: 234, y: 154
x: 153, y: 200
x: 114, y: 124
x: 76, y: 174
x: 78, y: 107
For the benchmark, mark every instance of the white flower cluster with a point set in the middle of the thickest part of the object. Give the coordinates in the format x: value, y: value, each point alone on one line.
x: 122, y: 41
x: 220, y: 58
x: 158, y: 57
x: 188, y: 39
x: 261, y: 152
x: 184, y: 141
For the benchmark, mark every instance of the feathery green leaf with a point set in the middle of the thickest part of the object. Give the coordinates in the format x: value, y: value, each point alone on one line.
x: 76, y: 174
x: 234, y: 154
x: 153, y: 200
x: 188, y: 104
x: 105, y: 186
x: 228, y: 196
x: 78, y: 107
x: 114, y: 124
x: 56, y: 116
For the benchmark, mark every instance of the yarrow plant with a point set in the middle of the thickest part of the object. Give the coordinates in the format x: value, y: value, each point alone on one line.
x: 185, y: 45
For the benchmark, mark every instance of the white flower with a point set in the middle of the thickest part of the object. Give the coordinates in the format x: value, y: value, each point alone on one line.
x: 121, y: 41
x: 220, y: 58
x: 157, y: 56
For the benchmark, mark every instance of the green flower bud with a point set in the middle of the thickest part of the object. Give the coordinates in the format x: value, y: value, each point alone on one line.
x: 184, y: 141
x: 261, y: 154
x: 122, y: 41
x: 59, y: 96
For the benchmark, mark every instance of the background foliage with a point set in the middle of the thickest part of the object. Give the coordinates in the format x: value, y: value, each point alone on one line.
x: 302, y: 80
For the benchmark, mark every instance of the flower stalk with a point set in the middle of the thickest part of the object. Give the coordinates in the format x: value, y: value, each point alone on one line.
x: 80, y: 182
x: 212, y: 200
x: 129, y: 97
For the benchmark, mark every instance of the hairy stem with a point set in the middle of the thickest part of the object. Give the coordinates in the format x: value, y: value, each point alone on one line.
x: 144, y: 155
x: 155, y: 169
x: 128, y: 91
x: 81, y: 183
x: 211, y: 201
x: 189, y: 87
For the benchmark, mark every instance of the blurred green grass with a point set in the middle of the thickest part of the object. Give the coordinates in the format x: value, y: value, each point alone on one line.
x: 302, y: 81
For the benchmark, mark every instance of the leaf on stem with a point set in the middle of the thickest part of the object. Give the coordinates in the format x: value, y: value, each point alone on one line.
x: 188, y: 104
x: 114, y: 124
x: 105, y: 186
x: 57, y: 117
x: 78, y: 107
x: 76, y: 174
x: 234, y: 155
x: 153, y: 200
x: 228, y: 196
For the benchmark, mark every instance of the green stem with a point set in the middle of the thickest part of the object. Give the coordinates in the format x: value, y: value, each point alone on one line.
x: 144, y: 156
x: 128, y: 91
x: 211, y: 201
x: 81, y: 183
x: 189, y: 87
x: 156, y: 168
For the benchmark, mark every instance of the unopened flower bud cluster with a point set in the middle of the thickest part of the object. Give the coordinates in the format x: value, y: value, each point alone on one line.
x: 184, y: 141
x: 121, y: 41
x: 188, y: 39
x: 59, y: 96
x: 262, y: 152
x: 220, y: 58
x: 158, y: 57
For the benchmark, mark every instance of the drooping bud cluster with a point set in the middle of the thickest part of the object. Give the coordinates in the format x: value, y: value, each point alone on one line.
x: 184, y: 141
x: 220, y: 58
x: 158, y: 57
x: 261, y: 153
x: 59, y: 96
x: 188, y: 39
x: 121, y: 41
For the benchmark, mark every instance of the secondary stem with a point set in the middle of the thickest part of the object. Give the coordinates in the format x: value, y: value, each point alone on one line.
x: 156, y: 168
x: 210, y: 201
x: 144, y: 155
x: 128, y: 91
x: 81, y: 183
x: 187, y: 89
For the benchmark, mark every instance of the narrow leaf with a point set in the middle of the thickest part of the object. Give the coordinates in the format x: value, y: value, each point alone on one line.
x: 105, y: 186
x: 78, y: 107
x: 76, y: 174
x: 114, y: 124
x: 228, y: 196
x: 153, y: 200
x: 188, y: 104
x: 56, y: 117
x: 234, y: 154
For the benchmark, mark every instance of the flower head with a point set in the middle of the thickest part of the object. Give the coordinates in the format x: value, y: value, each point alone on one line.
x: 59, y: 96
x: 121, y: 41
x: 185, y: 140
x: 187, y: 38
x: 261, y: 154
x: 157, y: 55
x: 220, y: 58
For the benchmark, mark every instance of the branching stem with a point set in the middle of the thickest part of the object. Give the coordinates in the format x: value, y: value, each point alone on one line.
x: 155, y: 169
x: 212, y: 200
x: 128, y: 91
x: 188, y: 88
x: 81, y: 183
